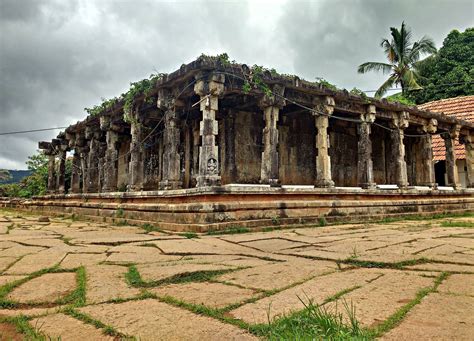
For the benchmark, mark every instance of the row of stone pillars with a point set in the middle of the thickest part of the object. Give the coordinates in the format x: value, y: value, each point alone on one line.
x: 95, y: 166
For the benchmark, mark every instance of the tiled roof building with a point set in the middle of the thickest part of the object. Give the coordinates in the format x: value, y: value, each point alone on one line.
x: 460, y: 107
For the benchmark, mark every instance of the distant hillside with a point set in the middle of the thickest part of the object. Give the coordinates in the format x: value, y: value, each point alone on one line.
x: 13, y: 176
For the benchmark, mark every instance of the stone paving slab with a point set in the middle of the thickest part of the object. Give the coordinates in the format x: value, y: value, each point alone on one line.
x: 379, y: 299
x: 278, y: 275
x: 437, y: 317
x: 215, y: 295
x: 46, y: 288
x: 106, y: 282
x: 316, y: 290
x: 458, y: 285
x: 154, y: 320
x: 60, y: 326
x: 280, y: 266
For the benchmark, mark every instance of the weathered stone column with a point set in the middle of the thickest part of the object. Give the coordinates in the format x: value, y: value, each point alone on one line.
x: 271, y: 105
x: 365, y: 169
x: 171, y: 141
x: 398, y: 124
x: 92, y: 173
x: 51, y: 169
x: 136, y: 165
x: 110, y: 170
x: 451, y: 167
x: 84, y: 152
x: 427, y: 153
x: 61, y: 176
x: 76, y: 173
x: 469, y: 145
x: 209, y: 91
x: 323, y: 110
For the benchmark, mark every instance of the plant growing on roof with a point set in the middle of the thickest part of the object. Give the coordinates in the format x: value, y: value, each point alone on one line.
x: 402, y: 57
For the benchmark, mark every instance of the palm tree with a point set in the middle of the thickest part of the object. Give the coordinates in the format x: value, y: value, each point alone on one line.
x: 402, y: 56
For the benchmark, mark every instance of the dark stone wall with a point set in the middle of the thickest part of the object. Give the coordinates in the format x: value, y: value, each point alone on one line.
x: 343, y: 153
x: 297, y: 151
x: 248, y: 128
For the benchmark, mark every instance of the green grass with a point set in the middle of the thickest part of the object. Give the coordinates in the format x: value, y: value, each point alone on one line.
x: 134, y: 279
x: 150, y: 228
x: 189, y: 235
x: 451, y: 223
x: 316, y: 323
x: 425, y: 217
x: 230, y: 230
x: 397, y: 317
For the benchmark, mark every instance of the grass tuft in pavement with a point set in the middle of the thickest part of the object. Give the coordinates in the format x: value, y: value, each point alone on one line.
x: 78, y: 297
x: 23, y: 327
x: 451, y: 223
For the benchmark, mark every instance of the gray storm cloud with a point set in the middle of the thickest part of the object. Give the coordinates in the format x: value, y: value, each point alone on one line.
x: 57, y: 57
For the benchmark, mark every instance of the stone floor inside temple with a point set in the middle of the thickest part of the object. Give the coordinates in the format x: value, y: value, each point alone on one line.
x: 80, y: 280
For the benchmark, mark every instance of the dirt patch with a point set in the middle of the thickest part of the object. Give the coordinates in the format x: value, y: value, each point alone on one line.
x: 154, y: 320
x: 437, y: 317
x: 214, y: 295
x: 46, y: 288
x: 8, y: 332
x: 60, y: 326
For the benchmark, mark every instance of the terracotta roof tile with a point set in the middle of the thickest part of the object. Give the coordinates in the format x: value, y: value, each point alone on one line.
x: 460, y: 107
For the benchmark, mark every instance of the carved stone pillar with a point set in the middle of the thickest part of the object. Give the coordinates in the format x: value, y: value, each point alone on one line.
x: 365, y: 169
x: 271, y: 105
x: 171, y: 141
x: 61, y: 176
x: 398, y: 124
x: 84, y: 152
x: 92, y: 173
x: 110, y: 171
x: 51, y: 169
x: 136, y: 165
x: 323, y: 161
x: 209, y: 92
x: 76, y: 173
x: 451, y: 167
x: 427, y: 153
x: 469, y: 145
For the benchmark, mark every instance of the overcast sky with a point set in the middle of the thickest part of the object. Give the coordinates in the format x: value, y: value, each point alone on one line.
x: 59, y: 56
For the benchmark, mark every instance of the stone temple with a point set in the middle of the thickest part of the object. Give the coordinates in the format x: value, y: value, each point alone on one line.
x: 208, y: 151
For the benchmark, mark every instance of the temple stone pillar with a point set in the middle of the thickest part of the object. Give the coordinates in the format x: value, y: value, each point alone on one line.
x: 469, y: 145
x: 323, y: 110
x: 271, y: 105
x: 83, y: 152
x: 209, y: 91
x: 51, y: 169
x: 427, y: 153
x: 136, y: 165
x: 61, y: 176
x: 398, y: 124
x: 92, y: 172
x: 365, y: 168
x: 110, y: 171
x: 76, y: 173
x: 451, y: 167
x: 171, y: 140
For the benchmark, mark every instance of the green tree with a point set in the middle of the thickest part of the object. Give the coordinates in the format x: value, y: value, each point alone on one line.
x: 402, y: 56
x: 449, y: 73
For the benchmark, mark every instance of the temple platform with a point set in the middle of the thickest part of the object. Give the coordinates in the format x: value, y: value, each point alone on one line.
x: 250, y: 206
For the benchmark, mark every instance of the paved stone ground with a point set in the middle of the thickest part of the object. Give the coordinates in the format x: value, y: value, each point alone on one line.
x: 91, y: 281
